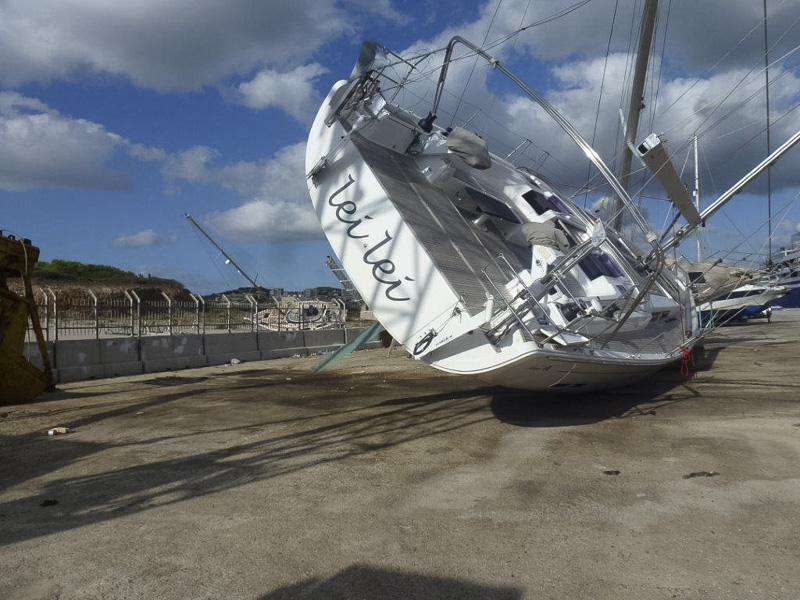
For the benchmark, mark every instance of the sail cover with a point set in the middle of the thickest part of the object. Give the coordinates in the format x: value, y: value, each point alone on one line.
x: 470, y: 147
x: 545, y: 234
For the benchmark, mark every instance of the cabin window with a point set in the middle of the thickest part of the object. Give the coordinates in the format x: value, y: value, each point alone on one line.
x: 597, y: 265
x: 696, y: 277
x: 743, y: 294
x: 492, y: 206
x: 541, y: 203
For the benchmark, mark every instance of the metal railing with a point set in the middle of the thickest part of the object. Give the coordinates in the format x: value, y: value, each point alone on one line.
x: 126, y: 314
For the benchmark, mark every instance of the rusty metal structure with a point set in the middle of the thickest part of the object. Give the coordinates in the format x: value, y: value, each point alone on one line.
x: 20, y: 380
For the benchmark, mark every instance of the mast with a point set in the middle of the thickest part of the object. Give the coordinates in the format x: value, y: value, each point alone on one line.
x: 769, y: 169
x: 697, y: 197
x: 637, y: 95
x: 218, y: 247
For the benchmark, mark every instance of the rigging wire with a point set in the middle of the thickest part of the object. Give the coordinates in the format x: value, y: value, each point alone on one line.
x: 705, y: 126
x: 600, y: 95
x: 659, y: 79
x: 522, y: 20
x: 475, y: 62
x: 555, y: 16
x: 576, y: 6
x: 753, y: 72
x: 514, y: 34
x: 486, y: 46
x: 757, y: 133
x: 712, y: 68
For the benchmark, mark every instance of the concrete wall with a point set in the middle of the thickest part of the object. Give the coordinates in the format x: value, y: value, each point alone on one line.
x: 172, y: 353
x: 282, y: 344
x: 77, y: 360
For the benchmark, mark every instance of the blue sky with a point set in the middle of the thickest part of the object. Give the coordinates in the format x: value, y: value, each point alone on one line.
x: 118, y: 118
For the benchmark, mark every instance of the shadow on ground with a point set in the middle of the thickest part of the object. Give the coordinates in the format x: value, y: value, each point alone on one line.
x: 362, y: 581
x: 212, y: 434
x: 202, y: 439
x: 645, y: 397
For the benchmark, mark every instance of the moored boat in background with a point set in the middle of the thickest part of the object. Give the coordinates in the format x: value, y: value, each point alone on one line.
x: 785, y: 266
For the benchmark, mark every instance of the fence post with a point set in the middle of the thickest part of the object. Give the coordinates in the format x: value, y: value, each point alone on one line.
x: 199, y: 298
x: 138, y: 341
x: 138, y: 314
x: 46, y: 314
x: 342, y: 313
x: 203, y: 303
x: 94, y: 311
x: 227, y: 311
x: 253, y: 316
x: 257, y: 321
x: 169, y: 313
x: 196, y: 313
x: 130, y: 308
x: 253, y: 312
x: 55, y: 314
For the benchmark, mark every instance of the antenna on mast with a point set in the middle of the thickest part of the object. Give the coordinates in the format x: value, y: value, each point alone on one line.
x: 697, y: 195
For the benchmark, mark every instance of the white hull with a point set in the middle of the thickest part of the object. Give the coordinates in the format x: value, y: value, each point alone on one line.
x: 433, y: 247
x: 785, y: 266
x: 540, y: 370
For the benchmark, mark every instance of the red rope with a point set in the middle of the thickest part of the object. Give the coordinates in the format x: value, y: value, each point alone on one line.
x: 686, y: 362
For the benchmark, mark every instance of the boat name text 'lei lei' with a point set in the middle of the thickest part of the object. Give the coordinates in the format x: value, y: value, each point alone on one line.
x: 381, y: 267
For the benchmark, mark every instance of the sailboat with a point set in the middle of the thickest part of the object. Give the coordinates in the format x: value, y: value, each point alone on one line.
x: 294, y: 314
x: 478, y: 266
x: 726, y: 293
x: 784, y: 264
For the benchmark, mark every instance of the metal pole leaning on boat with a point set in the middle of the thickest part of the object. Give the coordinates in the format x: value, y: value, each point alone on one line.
x: 735, y: 189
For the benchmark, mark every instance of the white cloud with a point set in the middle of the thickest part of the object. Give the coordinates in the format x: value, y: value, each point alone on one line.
x: 146, y: 153
x: 43, y: 149
x: 176, y: 45
x: 268, y: 220
x: 782, y: 234
x: 148, y: 237
x: 293, y: 91
x: 187, y: 44
x: 383, y: 9
x: 190, y: 165
x: 275, y: 199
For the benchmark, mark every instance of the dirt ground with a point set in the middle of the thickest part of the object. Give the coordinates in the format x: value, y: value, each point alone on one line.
x: 384, y: 479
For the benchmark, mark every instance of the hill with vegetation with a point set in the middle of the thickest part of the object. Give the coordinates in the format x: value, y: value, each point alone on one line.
x: 70, y: 271
x: 69, y: 277
x: 72, y: 280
